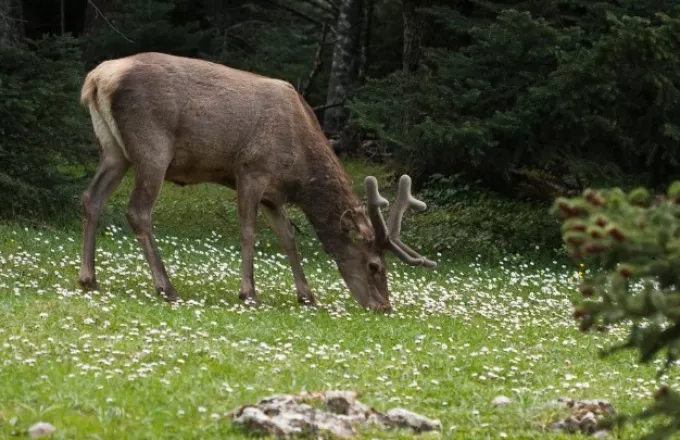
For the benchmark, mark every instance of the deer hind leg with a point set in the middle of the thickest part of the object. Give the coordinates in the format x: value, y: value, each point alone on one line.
x: 278, y: 221
x: 109, y: 174
x: 149, y: 178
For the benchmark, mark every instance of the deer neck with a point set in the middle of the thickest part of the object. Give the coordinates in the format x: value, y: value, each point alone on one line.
x: 327, y: 194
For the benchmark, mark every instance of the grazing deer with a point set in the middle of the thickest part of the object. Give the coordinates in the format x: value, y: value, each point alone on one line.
x: 190, y: 121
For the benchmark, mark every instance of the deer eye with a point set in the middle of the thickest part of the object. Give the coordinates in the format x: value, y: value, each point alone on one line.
x: 374, y: 267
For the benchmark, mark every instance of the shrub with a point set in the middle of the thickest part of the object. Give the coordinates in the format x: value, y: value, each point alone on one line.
x: 527, y: 91
x: 467, y: 220
x: 145, y: 26
x: 43, y: 128
x: 634, y: 239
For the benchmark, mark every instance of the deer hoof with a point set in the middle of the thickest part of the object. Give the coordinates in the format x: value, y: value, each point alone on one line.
x: 170, y: 295
x: 88, y: 283
x: 307, y: 300
x: 248, y: 297
x: 384, y: 309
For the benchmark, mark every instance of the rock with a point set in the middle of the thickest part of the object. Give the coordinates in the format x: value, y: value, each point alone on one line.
x: 588, y: 423
x: 41, y: 430
x: 571, y: 425
x: 403, y: 418
x: 256, y: 421
x: 590, y: 417
x: 340, y: 402
x: 289, y: 423
x: 501, y: 401
x: 291, y: 415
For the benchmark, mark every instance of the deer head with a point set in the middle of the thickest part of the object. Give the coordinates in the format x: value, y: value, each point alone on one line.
x: 363, y: 263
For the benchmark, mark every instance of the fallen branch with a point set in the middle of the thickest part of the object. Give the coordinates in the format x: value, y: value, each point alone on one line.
x: 544, y: 188
x: 326, y: 106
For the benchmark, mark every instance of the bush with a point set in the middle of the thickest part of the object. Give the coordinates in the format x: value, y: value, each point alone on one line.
x: 43, y: 128
x: 633, y: 239
x: 461, y: 113
x: 145, y: 26
x: 531, y: 92
x: 466, y: 220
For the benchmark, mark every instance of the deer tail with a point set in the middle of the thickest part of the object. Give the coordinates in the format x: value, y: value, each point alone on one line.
x: 94, y: 97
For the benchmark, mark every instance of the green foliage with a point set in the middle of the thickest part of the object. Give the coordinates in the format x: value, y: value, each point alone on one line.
x: 537, y: 88
x: 43, y: 129
x: 623, y: 94
x: 469, y: 221
x: 634, y: 238
x: 240, y: 34
x: 463, y: 110
x: 146, y: 26
x: 582, y: 92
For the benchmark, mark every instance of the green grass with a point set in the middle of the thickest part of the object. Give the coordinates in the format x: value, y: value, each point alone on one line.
x: 122, y: 364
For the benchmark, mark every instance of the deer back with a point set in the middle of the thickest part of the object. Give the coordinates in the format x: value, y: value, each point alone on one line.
x: 214, y: 121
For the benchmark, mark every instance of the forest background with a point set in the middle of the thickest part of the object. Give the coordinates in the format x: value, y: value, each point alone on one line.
x: 494, y: 107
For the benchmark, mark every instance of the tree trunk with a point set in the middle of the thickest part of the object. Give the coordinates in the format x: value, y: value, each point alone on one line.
x: 10, y: 23
x: 415, y: 23
x: 62, y: 17
x: 345, y: 66
x: 369, y: 8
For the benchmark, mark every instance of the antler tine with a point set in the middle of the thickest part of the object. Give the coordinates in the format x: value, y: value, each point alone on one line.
x: 408, y: 255
x: 374, y: 202
x: 404, y: 200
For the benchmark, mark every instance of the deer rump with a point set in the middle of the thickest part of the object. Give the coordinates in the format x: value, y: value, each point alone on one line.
x: 190, y: 121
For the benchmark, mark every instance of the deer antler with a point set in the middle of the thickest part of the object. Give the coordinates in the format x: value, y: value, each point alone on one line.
x: 389, y: 234
x: 374, y: 202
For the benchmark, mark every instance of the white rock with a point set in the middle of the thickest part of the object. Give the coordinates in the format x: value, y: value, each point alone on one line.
x: 289, y: 415
x: 501, y: 401
x: 403, y: 418
x: 41, y: 430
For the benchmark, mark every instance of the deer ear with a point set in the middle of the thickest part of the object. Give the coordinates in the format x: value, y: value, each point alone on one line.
x: 347, y: 222
x: 356, y: 230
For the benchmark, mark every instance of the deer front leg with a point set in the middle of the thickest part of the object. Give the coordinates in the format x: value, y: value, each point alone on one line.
x: 249, y: 193
x: 109, y: 174
x: 280, y: 223
x: 148, y: 182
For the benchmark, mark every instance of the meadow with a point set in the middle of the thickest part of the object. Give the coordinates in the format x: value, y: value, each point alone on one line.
x: 120, y: 363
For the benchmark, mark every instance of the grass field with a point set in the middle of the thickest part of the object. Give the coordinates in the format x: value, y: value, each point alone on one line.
x: 122, y: 364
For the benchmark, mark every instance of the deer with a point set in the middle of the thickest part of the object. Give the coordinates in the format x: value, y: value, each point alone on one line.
x: 190, y: 121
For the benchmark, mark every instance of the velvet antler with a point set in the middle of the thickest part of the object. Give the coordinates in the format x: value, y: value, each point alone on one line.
x: 388, y: 235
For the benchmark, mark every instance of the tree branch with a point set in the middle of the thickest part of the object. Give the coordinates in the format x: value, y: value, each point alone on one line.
x: 8, y: 18
x: 294, y: 12
x: 100, y: 14
x: 331, y: 9
x: 318, y: 61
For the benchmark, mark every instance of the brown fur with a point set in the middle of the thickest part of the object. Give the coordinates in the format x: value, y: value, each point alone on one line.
x: 190, y: 121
